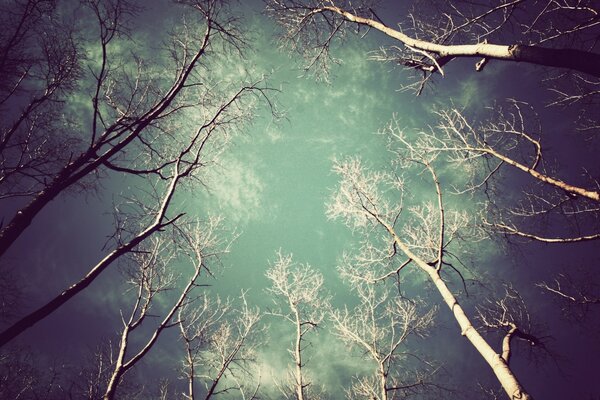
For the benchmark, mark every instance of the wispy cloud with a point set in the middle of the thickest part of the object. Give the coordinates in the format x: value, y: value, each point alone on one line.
x: 274, y: 134
x: 329, y: 364
x: 237, y: 190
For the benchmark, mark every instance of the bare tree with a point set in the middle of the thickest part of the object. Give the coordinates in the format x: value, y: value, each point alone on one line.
x: 165, y: 158
x: 18, y: 374
x: 24, y: 374
x: 367, y: 202
x: 198, y: 321
x: 40, y: 64
x: 220, y: 343
x: 150, y: 277
x: 298, y: 295
x: 509, y: 315
x: 92, y: 377
x: 133, y: 106
x: 89, y: 376
x: 512, y: 138
x: 379, y: 328
x: 186, y: 164
x: 435, y: 33
x: 577, y: 291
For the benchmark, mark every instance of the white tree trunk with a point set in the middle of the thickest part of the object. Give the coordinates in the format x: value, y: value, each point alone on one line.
x: 577, y: 60
x: 504, y: 374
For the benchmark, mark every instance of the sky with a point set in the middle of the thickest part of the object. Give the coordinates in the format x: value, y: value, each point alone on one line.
x: 272, y: 186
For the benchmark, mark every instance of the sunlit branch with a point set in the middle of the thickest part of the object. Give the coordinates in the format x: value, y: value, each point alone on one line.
x: 151, y: 285
x: 350, y: 207
x: 298, y: 15
x: 563, y: 287
x: 378, y: 327
x: 299, y: 298
x: 514, y: 231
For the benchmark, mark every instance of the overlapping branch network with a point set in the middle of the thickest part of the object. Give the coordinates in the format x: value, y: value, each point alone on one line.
x: 509, y: 147
x: 432, y: 34
x: 423, y: 238
x: 162, y: 128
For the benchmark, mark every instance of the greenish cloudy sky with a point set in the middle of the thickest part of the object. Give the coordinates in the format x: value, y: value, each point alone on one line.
x: 272, y: 186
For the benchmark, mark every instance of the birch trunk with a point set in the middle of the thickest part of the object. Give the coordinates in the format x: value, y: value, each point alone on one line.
x: 298, y: 356
x: 504, y: 374
x: 582, y: 61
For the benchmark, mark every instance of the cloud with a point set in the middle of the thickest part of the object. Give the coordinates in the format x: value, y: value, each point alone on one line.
x: 330, y: 364
x: 237, y: 190
x: 275, y: 135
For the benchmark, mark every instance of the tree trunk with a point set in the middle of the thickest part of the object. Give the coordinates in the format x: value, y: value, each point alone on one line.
x: 213, y: 386
x: 191, y: 373
x: 118, y: 371
x: 577, y: 60
x: 28, y: 321
x: 22, y: 219
x: 383, y: 382
x: 298, y: 357
x: 504, y: 374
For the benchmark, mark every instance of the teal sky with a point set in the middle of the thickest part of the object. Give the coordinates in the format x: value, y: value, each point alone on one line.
x: 272, y: 186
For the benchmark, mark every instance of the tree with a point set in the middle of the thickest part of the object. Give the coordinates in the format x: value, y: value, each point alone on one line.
x: 511, y: 139
x: 370, y: 202
x: 88, y: 379
x: 141, y: 128
x: 509, y: 315
x: 40, y: 65
x: 435, y: 33
x: 28, y: 375
x: 19, y: 375
x: 220, y: 344
x: 431, y: 35
x: 379, y: 328
x: 133, y: 115
x: 151, y: 275
x: 298, y: 295
x: 576, y: 291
